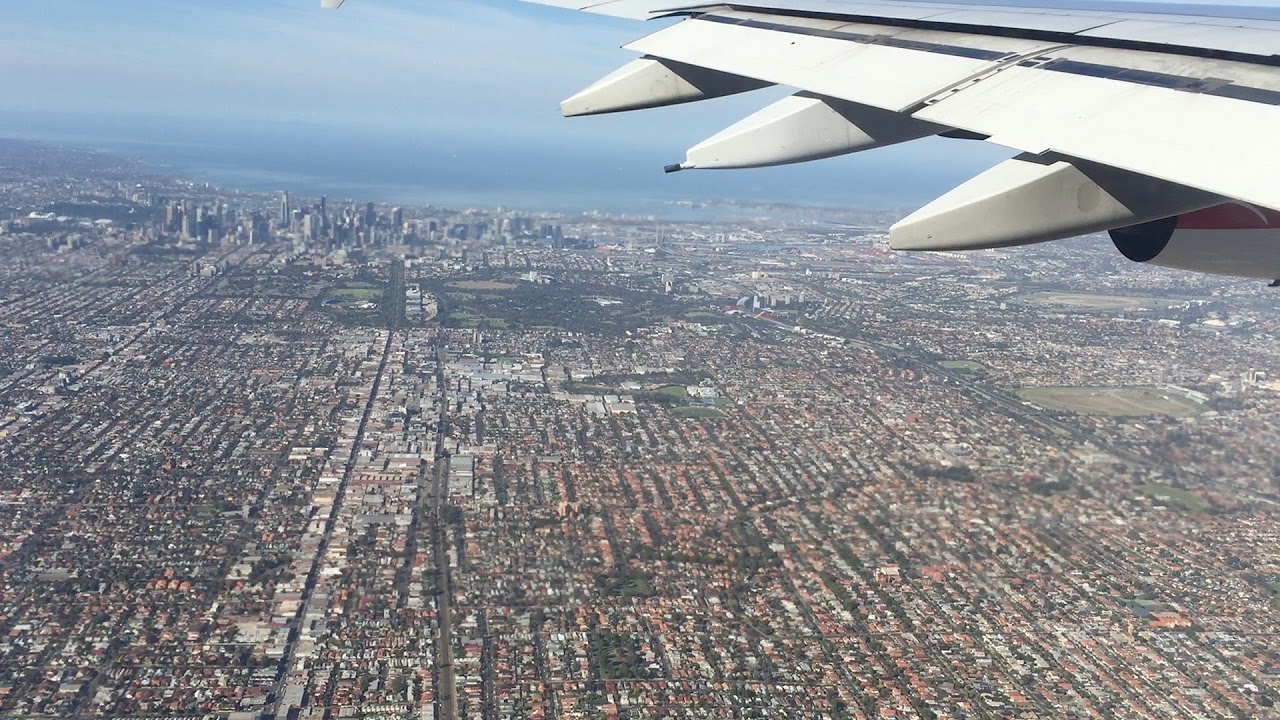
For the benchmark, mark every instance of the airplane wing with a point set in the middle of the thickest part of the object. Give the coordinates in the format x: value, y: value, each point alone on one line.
x: 1133, y: 118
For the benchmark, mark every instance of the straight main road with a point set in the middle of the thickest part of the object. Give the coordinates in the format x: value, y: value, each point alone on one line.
x: 438, y: 501
x: 288, y: 659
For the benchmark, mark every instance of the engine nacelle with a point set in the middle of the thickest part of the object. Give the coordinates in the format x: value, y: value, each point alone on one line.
x: 1229, y: 239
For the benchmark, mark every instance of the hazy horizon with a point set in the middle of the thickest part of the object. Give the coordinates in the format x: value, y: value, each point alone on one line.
x: 443, y: 168
x: 414, y: 102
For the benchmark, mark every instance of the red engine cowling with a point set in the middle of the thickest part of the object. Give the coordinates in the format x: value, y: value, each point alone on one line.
x: 1229, y: 239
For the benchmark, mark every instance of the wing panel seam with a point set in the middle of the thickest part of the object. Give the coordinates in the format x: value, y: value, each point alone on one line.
x: 1019, y: 33
x: 862, y: 38
x: 1181, y: 83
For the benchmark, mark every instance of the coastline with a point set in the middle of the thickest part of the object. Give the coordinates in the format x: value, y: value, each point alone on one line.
x: 465, y: 172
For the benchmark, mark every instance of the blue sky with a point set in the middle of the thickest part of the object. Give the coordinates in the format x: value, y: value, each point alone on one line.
x: 448, y: 72
x: 453, y: 65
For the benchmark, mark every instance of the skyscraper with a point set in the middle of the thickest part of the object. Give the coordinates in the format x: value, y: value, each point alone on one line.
x: 285, y: 214
x: 172, y: 216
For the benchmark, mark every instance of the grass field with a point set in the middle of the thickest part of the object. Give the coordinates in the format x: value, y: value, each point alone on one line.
x: 1174, y: 497
x: 1117, y: 401
x: 353, y: 302
x: 704, y: 316
x: 1096, y: 302
x: 667, y: 394
x: 355, y: 294
x: 482, y: 285
x: 677, y: 392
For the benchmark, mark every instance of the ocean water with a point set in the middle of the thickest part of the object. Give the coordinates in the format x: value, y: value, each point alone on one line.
x: 459, y: 171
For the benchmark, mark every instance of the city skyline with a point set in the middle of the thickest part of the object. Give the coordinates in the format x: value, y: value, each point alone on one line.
x: 450, y: 77
x: 469, y: 89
